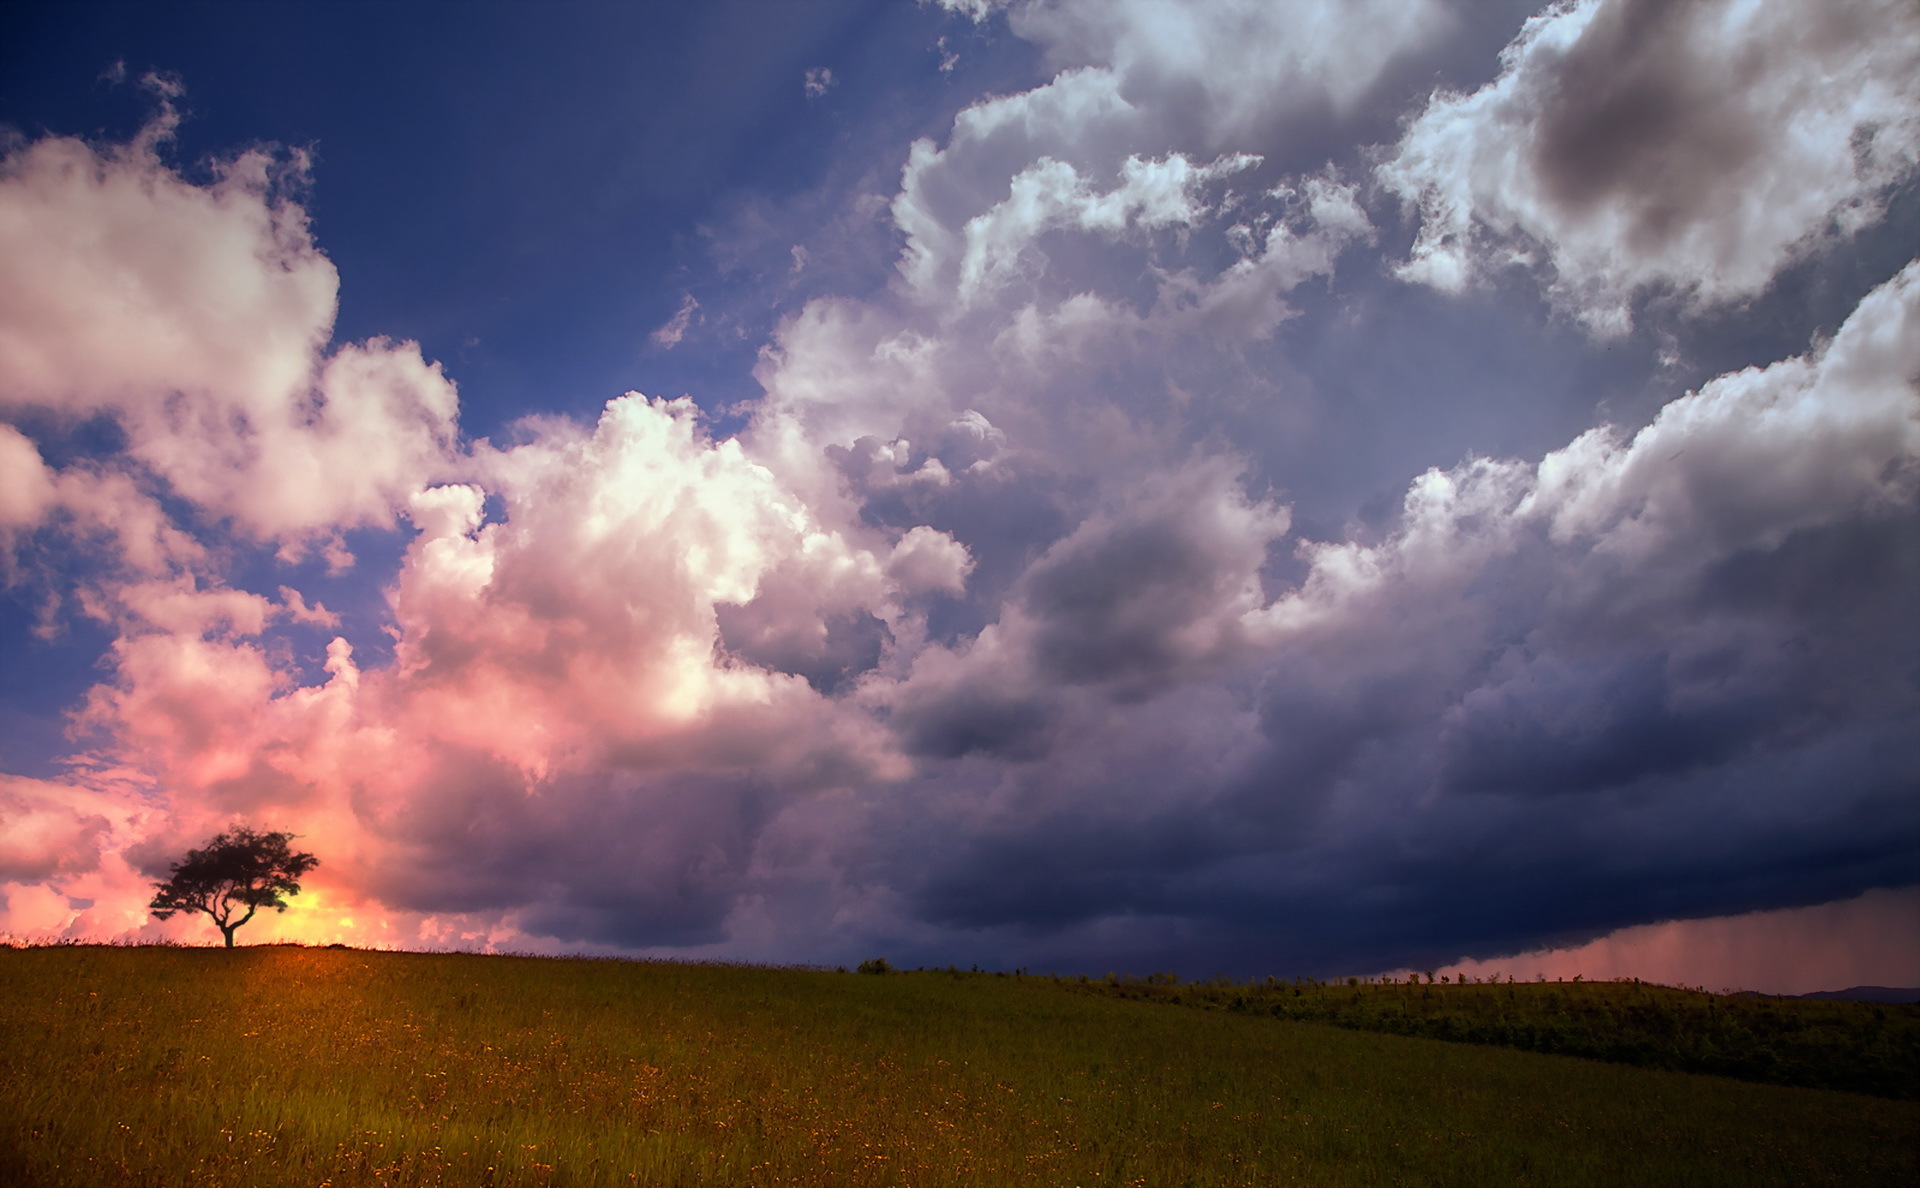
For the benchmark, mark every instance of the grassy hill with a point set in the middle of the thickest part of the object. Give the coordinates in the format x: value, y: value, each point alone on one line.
x: 1856, y: 1046
x: 282, y: 1065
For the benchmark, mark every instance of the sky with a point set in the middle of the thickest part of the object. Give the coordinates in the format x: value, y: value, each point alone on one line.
x: 1294, y: 489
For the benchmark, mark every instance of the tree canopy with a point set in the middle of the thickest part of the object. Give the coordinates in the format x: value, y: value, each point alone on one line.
x: 237, y: 871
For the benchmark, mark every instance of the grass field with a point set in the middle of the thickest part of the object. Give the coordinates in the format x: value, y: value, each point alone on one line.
x: 283, y: 1065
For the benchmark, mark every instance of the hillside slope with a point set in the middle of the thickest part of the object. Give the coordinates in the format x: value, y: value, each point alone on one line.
x: 1861, y: 1047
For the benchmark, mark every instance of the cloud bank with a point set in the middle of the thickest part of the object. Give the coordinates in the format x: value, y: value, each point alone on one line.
x: 985, y: 634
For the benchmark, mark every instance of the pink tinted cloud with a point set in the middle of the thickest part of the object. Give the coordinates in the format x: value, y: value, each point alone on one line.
x: 551, y: 665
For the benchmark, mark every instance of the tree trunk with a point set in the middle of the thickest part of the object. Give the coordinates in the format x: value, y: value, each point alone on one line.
x: 226, y: 930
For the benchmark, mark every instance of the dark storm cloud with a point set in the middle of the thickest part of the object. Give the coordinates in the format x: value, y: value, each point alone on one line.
x: 1108, y: 610
x: 1115, y: 603
x: 827, y: 654
x: 1056, y: 872
x: 603, y: 860
x: 1705, y: 699
x: 1554, y: 728
x: 977, y: 715
x: 1473, y: 796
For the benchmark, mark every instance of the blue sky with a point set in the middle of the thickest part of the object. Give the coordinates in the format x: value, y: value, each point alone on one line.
x: 535, y: 187
x: 1291, y: 488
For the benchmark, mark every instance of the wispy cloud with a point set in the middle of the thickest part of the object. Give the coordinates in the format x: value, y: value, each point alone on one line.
x: 675, y: 328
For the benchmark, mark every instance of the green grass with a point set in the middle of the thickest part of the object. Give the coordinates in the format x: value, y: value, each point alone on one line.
x: 282, y: 1065
x: 1859, y: 1047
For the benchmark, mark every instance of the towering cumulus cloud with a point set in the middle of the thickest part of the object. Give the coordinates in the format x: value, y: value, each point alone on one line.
x: 993, y: 629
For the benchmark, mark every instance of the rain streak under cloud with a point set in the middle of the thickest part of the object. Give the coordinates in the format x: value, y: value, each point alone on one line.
x: 1310, y: 488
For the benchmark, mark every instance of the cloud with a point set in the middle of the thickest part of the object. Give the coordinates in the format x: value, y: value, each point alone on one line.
x: 1695, y: 150
x: 928, y: 560
x: 1143, y: 134
x: 570, y: 652
x: 675, y: 328
x: 1134, y: 602
x: 46, y: 830
x: 1049, y: 194
x: 1602, y: 695
x: 26, y: 486
x: 1228, y: 70
x: 586, y: 616
x: 967, y: 241
x: 1149, y: 593
x: 194, y: 317
x: 979, y: 10
x: 819, y: 81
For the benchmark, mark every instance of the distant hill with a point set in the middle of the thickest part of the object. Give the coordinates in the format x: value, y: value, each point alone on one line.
x: 1893, y: 995
x: 1859, y: 1046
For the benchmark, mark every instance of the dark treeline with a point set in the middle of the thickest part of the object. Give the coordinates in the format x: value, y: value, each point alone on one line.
x: 1860, y: 1047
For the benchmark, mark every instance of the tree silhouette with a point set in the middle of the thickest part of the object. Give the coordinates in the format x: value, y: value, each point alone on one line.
x: 239, y: 869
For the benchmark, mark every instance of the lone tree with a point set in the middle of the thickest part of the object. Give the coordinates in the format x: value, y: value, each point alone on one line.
x: 237, y: 870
